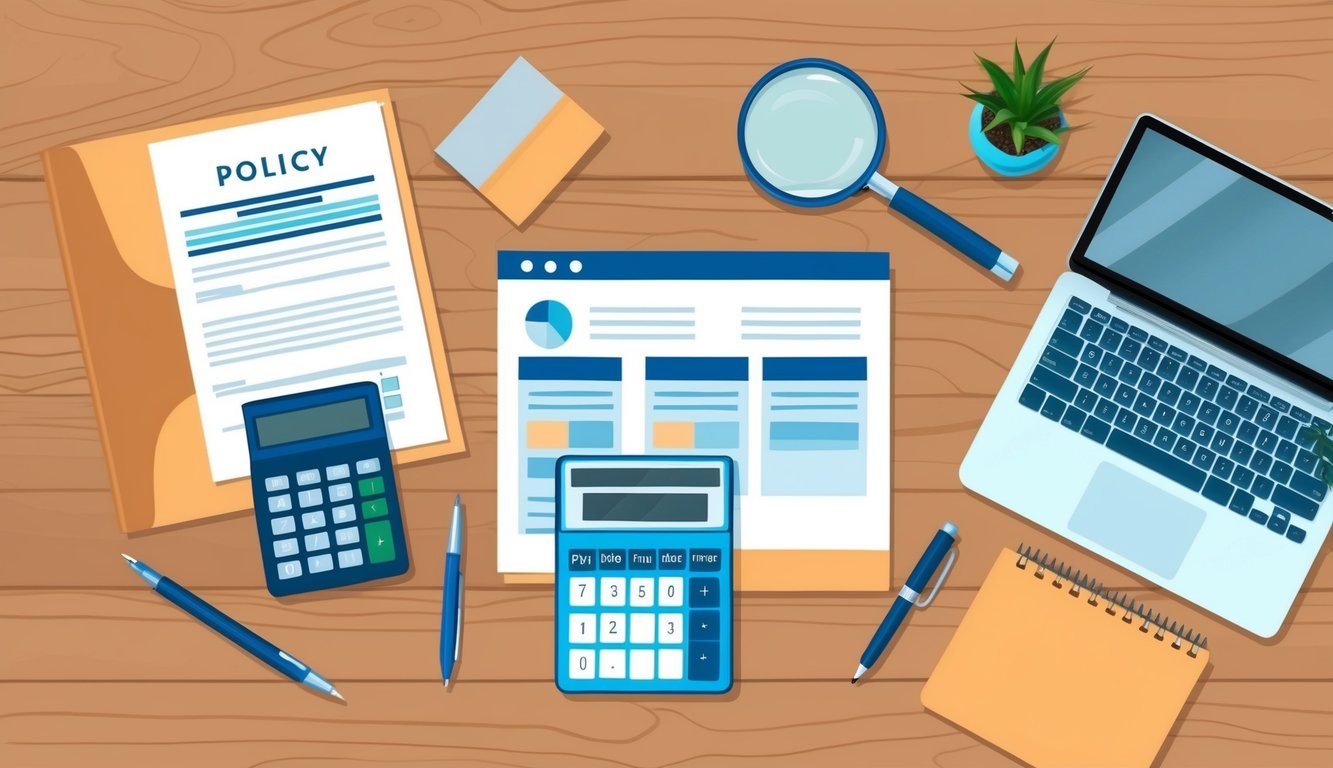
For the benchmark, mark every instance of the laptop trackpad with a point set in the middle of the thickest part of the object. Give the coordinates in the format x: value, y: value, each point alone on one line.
x: 1136, y: 520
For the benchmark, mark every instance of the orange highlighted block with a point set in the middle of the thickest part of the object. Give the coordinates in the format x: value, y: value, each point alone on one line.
x: 548, y: 434
x: 541, y: 160
x: 673, y: 434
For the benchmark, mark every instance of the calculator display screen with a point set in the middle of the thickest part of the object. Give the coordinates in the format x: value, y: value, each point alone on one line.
x: 307, y: 423
x: 646, y: 507
x: 647, y: 493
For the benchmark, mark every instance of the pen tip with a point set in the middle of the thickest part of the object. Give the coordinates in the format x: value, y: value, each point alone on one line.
x: 339, y: 695
x: 446, y: 682
x: 853, y: 681
x: 458, y: 499
x: 127, y: 557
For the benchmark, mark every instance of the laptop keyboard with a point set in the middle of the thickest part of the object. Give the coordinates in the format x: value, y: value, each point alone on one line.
x: 1192, y: 422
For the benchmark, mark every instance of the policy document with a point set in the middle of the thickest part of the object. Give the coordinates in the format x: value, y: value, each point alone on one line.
x: 293, y: 271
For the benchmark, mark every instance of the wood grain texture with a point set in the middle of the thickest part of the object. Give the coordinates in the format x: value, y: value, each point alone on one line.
x: 96, y: 670
x: 667, y: 79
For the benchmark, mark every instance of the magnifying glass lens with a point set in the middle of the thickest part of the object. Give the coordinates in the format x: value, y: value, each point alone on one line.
x: 810, y: 132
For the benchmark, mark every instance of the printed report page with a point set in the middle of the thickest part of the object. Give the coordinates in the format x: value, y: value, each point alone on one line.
x: 778, y: 360
x: 293, y: 272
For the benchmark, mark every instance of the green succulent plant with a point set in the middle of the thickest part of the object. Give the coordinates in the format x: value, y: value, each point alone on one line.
x: 1022, y: 101
x: 1322, y: 448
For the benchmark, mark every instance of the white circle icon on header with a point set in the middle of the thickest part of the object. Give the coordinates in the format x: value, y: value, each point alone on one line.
x: 525, y: 265
x: 550, y: 267
x: 576, y: 266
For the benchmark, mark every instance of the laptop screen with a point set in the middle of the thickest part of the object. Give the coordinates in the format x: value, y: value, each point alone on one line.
x: 1230, y: 245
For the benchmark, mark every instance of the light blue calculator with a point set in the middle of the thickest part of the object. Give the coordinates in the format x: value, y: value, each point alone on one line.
x: 643, y: 590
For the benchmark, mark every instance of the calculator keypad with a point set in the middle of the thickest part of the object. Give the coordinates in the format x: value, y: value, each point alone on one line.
x: 631, y: 617
x: 325, y: 498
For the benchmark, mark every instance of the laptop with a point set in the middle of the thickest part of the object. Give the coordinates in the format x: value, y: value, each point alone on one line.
x: 1158, y: 411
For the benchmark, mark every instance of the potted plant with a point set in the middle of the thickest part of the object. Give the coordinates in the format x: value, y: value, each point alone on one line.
x: 1015, y: 127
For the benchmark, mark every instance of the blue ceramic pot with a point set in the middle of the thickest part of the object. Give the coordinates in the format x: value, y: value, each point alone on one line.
x: 1002, y: 162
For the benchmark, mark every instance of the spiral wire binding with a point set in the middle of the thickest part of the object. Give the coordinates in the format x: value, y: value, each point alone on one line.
x: 1130, y: 609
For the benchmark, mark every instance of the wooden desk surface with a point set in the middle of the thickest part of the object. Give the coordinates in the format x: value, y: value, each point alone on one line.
x: 94, y: 669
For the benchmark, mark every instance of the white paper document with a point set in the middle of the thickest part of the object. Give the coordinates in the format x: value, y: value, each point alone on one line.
x: 779, y: 360
x: 293, y: 271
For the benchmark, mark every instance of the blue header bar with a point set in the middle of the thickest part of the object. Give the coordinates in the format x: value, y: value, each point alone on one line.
x: 569, y: 369
x: 693, y: 265
x: 697, y: 369
x: 814, y: 369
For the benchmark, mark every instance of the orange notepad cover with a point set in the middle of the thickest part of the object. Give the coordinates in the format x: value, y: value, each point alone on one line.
x: 1055, y: 680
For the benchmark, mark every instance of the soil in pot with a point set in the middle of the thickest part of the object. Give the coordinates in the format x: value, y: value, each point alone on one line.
x: 1003, y: 138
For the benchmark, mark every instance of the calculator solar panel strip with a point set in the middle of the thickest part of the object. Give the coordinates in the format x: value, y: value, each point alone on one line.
x: 644, y: 574
x: 326, y: 504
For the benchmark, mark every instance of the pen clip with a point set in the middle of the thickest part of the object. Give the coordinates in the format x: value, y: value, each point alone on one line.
x: 953, y: 553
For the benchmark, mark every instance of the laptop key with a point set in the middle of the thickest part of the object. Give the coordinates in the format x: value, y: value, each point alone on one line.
x: 1308, y: 486
x: 1183, y: 424
x: 1164, y: 439
x: 1125, y: 420
x: 1125, y: 395
x: 1070, y: 321
x: 1138, y: 334
x: 1169, y: 393
x: 1158, y: 344
x: 1218, y: 491
x: 1197, y: 363
x: 1091, y: 354
x: 1054, y: 383
x: 1280, y: 473
x: 1053, y: 409
x: 1240, y: 453
x: 1266, y: 418
x: 1130, y: 349
x: 1208, y: 413
x: 1101, y: 315
x: 1242, y: 478
x: 1203, y: 458
x: 1258, y: 394
x: 1202, y: 434
x: 1187, y: 379
x: 1149, y: 384
x: 1149, y: 358
x: 1086, y: 400
x: 1073, y: 419
x: 1096, y: 429
x: 1091, y: 331
x: 1241, y: 503
x: 1227, y: 423
x: 1176, y: 353
x: 1216, y: 373
x: 1145, y: 430
x: 1279, y: 405
x: 1301, y: 415
x: 1237, y: 383
x: 1110, y: 365
x: 1207, y: 388
x: 1165, y: 415
x: 1304, y: 437
x: 1168, y: 369
x: 1110, y: 341
x: 1079, y: 305
x: 1247, y: 406
x: 1032, y: 397
x: 1105, y: 410
x: 1286, y: 427
x: 1086, y: 376
x: 1261, y: 462
x: 1222, y: 443
x: 1067, y: 343
x: 1286, y: 451
x: 1262, y: 487
x: 1295, y: 534
x: 1163, y: 463
x: 1248, y: 432
x: 1058, y: 361
x: 1118, y: 325
x: 1278, y: 521
x: 1189, y: 403
x: 1144, y: 405
x: 1227, y: 398
x: 1268, y: 442
x: 1105, y: 385
x: 1184, y: 449
x: 1294, y: 502
x: 1130, y: 374
x: 1223, y: 466
x: 1259, y: 516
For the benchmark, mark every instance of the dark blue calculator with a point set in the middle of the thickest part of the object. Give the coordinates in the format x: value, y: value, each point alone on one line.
x: 326, y: 504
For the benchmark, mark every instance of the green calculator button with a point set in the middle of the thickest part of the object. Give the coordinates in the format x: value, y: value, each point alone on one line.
x: 371, y: 486
x: 379, y: 542
x: 374, y: 508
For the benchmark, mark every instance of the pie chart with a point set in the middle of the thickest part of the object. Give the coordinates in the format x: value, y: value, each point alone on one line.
x: 549, y: 324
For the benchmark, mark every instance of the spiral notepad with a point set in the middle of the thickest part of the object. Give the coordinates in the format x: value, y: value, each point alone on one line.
x: 1054, y: 669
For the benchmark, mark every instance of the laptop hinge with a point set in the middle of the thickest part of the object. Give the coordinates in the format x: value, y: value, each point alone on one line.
x: 1237, y: 362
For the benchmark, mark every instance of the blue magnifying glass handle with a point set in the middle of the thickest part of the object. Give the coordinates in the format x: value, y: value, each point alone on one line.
x: 945, y: 227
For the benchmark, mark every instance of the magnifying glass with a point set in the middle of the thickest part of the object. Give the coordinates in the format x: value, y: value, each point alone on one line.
x: 812, y: 134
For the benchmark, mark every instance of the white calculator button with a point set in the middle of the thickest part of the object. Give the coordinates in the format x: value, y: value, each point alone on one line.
x: 641, y: 665
x: 583, y: 591
x: 366, y: 466
x: 284, y: 547
x: 670, y: 628
x: 278, y: 483
x: 281, y: 503
x: 307, y: 477
x: 311, y: 498
x: 340, y: 492
x: 349, y: 558
x: 344, y: 514
x: 312, y: 520
x: 320, y: 563
x: 611, y: 663
x: 289, y: 570
x: 670, y: 663
x: 582, y: 664
x: 348, y: 535
x: 641, y: 627
x: 317, y: 541
x: 671, y: 591
x: 613, y: 628
x: 281, y: 525
x: 336, y: 472
x: 641, y: 592
x: 613, y: 590
x: 582, y: 627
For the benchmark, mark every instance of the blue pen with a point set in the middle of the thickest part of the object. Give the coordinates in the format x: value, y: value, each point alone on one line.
x: 232, y: 629
x: 908, y: 596
x: 451, y: 613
